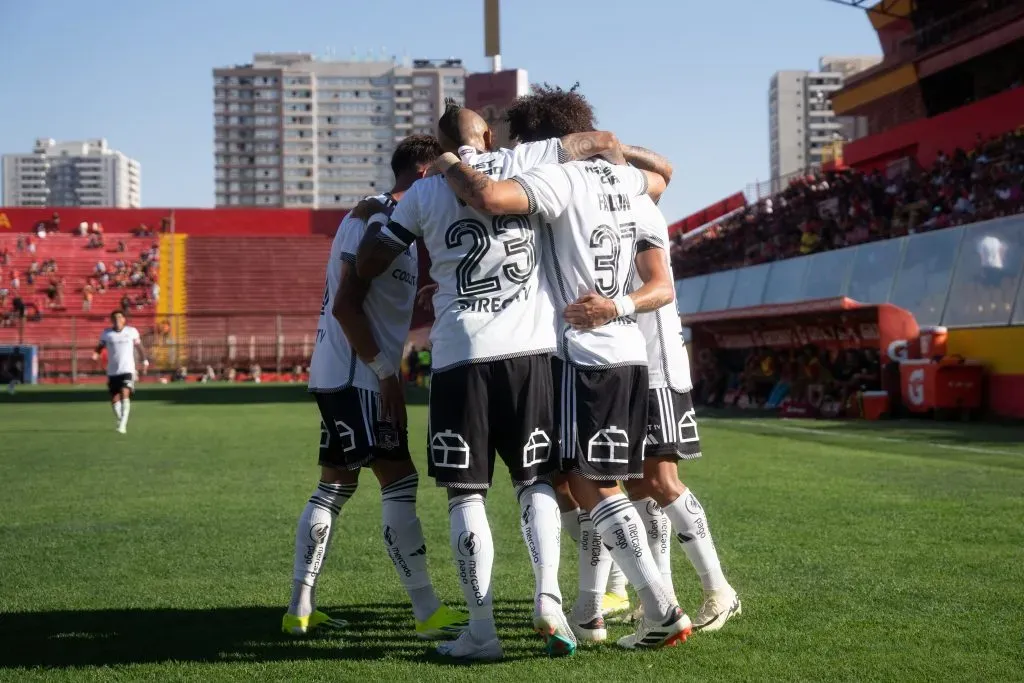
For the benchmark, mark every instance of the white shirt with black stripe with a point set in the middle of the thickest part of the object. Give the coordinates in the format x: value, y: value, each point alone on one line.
x: 668, y: 364
x: 120, y: 346
x: 507, y: 163
x: 388, y: 306
x: 591, y: 234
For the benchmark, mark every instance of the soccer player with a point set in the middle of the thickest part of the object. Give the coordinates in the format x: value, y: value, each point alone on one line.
x: 659, y: 498
x: 355, y: 379
x: 594, y: 244
x: 491, y: 391
x: 121, y: 342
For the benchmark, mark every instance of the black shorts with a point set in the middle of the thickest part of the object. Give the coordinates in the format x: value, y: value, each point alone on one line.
x: 116, y: 383
x: 351, y: 432
x: 602, y: 415
x: 671, y: 425
x: 501, y: 406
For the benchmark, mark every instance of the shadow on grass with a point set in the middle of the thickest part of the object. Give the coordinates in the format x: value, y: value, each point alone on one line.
x: 189, y: 394
x: 62, y: 639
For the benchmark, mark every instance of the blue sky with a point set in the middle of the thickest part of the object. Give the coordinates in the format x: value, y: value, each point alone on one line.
x: 686, y: 78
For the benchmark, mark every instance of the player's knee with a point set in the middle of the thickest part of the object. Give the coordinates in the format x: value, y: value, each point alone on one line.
x: 335, y: 475
x: 636, y: 489
x: 390, y: 471
x: 663, y: 484
x: 454, y: 493
x: 563, y: 494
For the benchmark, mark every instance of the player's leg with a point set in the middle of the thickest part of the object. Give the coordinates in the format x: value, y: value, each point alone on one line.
x: 462, y: 461
x: 610, y: 414
x: 680, y: 440
x: 127, y: 388
x: 316, y: 523
x: 403, y: 532
x: 114, y: 389
x: 522, y: 419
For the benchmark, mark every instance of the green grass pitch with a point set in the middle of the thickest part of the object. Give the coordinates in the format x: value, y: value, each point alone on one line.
x: 862, y: 551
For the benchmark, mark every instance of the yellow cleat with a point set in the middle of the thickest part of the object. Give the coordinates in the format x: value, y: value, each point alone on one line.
x: 614, y: 605
x: 300, y: 626
x: 444, y: 624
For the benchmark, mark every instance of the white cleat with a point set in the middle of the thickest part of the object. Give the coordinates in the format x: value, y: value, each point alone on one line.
x: 465, y: 648
x: 121, y: 429
x: 593, y: 631
x: 649, y: 635
x: 559, y: 640
x: 717, y: 609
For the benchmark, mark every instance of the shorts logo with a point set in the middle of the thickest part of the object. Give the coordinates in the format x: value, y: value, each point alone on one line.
x: 348, y: 437
x: 687, y: 428
x: 318, y: 532
x: 449, y: 449
x: 692, y: 506
x: 387, y: 437
x: 325, y: 436
x: 537, y: 449
x: 610, y: 445
x: 468, y: 544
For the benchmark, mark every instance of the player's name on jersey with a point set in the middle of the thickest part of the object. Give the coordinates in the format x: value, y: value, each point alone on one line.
x: 493, y: 304
x: 613, y: 202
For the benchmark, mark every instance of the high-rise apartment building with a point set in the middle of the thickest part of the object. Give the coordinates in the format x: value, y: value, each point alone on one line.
x: 802, y: 126
x: 80, y: 173
x: 294, y: 131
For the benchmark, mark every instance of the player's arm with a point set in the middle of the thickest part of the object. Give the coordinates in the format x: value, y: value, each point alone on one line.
x: 593, y: 310
x: 99, y: 349
x: 579, y: 146
x: 544, y: 190
x: 142, y: 353
x: 646, y: 160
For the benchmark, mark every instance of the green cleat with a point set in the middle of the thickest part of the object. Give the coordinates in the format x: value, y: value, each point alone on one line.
x: 300, y: 626
x: 444, y: 624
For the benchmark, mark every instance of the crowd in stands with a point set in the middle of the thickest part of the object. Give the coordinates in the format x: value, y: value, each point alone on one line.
x: 24, y: 273
x: 843, y: 208
x: 765, y: 378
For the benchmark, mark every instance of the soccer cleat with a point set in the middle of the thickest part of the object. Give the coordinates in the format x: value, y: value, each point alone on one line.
x: 614, y: 605
x: 594, y: 631
x: 717, y: 609
x: 443, y: 623
x: 674, y: 630
x: 121, y: 429
x: 465, y: 648
x: 300, y: 626
x: 559, y: 640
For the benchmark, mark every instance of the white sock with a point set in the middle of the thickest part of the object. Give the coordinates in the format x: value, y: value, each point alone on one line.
x: 693, y: 532
x: 616, y: 580
x: 617, y: 522
x: 595, y: 562
x: 659, y: 530
x: 126, y: 407
x: 311, y: 539
x: 116, y: 407
x: 473, y: 550
x: 540, y: 525
x: 403, y: 536
x: 571, y: 524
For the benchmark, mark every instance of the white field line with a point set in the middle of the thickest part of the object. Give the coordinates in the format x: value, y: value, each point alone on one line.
x: 868, y: 437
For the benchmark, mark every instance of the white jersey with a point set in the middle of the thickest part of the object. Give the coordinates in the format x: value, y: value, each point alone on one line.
x: 592, y: 237
x: 668, y: 364
x: 389, y: 303
x: 120, y: 348
x: 508, y: 163
x: 491, y: 302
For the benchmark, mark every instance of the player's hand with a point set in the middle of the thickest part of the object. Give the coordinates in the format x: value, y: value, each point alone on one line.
x: 367, y: 208
x: 425, y: 297
x: 95, y: 357
x: 590, y: 310
x: 392, y: 402
x: 145, y: 366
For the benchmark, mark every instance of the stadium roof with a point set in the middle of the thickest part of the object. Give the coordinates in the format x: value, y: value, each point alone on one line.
x: 878, y: 6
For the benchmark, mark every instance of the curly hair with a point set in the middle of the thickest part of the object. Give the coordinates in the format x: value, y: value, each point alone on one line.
x: 550, y: 112
x: 413, y: 151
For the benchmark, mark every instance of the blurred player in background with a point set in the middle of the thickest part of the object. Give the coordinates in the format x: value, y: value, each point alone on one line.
x: 121, y: 342
x: 594, y: 246
x: 354, y: 375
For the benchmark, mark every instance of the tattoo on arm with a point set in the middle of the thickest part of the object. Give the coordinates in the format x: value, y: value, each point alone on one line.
x: 646, y: 160
x: 467, y: 183
x: 586, y: 145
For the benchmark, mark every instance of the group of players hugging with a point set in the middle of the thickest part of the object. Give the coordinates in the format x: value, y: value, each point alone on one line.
x: 556, y: 345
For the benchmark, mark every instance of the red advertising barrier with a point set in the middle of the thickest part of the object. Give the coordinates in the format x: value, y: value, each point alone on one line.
x: 196, y: 222
x: 705, y: 216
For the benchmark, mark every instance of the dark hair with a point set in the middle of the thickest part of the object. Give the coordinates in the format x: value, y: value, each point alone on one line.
x: 415, y: 150
x: 550, y: 112
x: 118, y: 311
x: 448, y: 124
